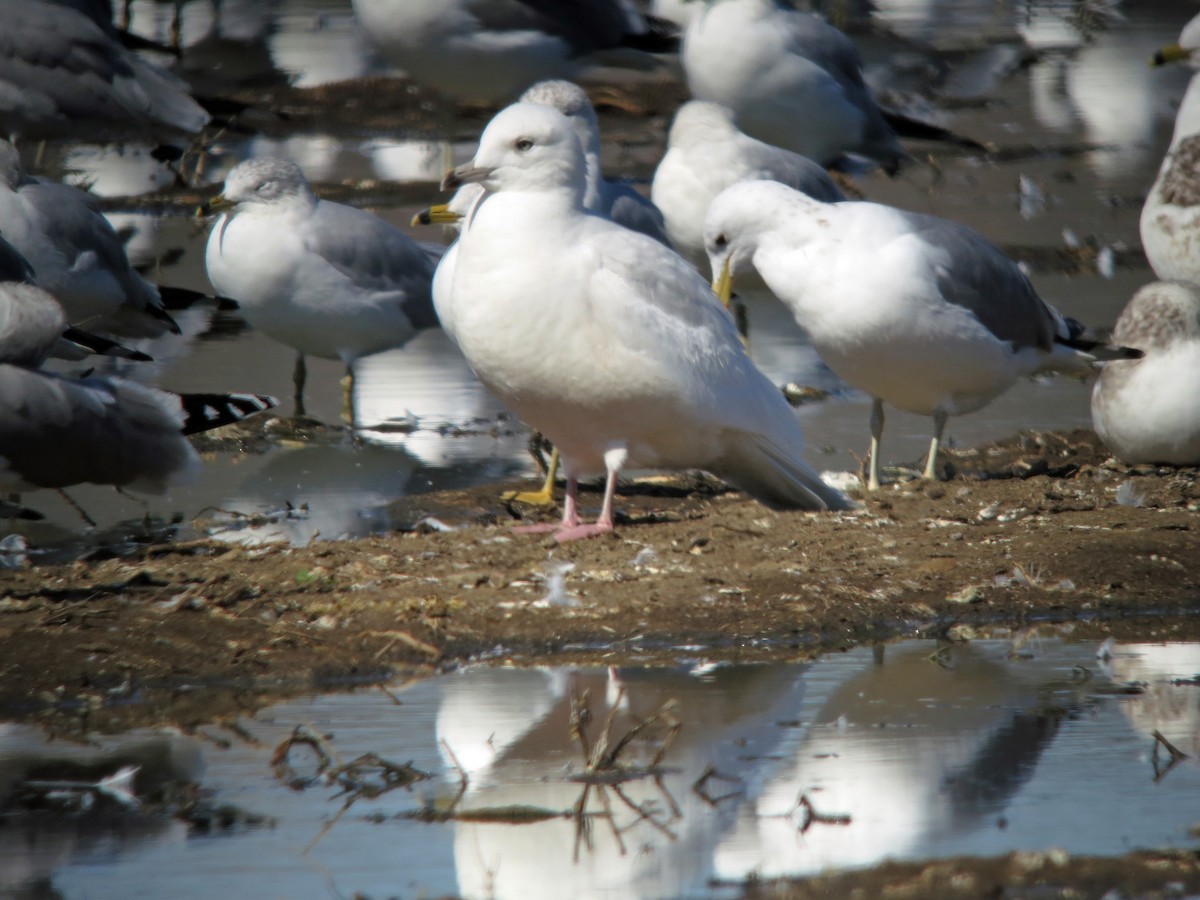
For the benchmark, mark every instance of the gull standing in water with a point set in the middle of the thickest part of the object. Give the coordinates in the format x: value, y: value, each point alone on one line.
x: 917, y: 311
x: 1148, y: 410
x: 706, y: 153
x: 607, y: 342
x: 327, y: 280
x: 1170, y: 223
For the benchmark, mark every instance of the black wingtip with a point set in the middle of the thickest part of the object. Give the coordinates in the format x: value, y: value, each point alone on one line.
x: 103, y: 346
x: 660, y: 36
x: 203, y: 412
x: 915, y: 129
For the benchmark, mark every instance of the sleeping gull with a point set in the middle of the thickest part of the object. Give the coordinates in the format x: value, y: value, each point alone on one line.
x: 791, y: 79
x: 795, y: 81
x: 488, y: 51
x: 76, y: 254
x: 617, y: 201
x: 60, y: 71
x: 57, y: 431
x: 917, y: 311
x: 601, y: 338
x: 1170, y: 223
x: 706, y: 153
x: 1147, y: 410
x: 327, y: 280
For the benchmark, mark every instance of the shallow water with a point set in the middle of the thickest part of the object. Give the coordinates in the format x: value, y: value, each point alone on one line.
x: 1086, y: 120
x: 926, y: 750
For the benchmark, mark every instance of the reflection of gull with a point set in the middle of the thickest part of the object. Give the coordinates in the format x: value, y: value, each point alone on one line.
x: 729, y: 723
x: 666, y: 383
x: 790, y: 78
x: 59, y: 69
x: 343, y: 490
x: 910, y: 751
x: 76, y: 254
x: 326, y: 279
x: 317, y: 43
x: 705, y: 154
x: 1170, y: 701
x: 915, y: 310
x: 616, y: 201
x: 490, y: 50
x: 1146, y: 410
x: 1170, y: 222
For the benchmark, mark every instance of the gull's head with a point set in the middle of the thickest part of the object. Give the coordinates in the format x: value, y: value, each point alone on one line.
x: 1160, y: 314
x: 1187, y: 49
x: 700, y: 122
x: 266, y: 183
x: 572, y: 101
x: 737, y: 221
x: 526, y: 147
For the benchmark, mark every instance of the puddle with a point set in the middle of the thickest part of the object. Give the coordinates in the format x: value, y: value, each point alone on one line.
x: 1082, y: 125
x: 911, y: 751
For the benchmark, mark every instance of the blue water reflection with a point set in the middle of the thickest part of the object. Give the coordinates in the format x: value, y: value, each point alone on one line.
x: 924, y: 750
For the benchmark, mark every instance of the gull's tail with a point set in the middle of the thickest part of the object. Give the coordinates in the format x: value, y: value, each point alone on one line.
x: 1077, y: 347
x: 203, y: 412
x: 915, y: 129
x: 775, y: 477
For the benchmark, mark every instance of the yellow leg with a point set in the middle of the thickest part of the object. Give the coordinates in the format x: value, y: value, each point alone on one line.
x: 543, y: 497
x: 348, y: 397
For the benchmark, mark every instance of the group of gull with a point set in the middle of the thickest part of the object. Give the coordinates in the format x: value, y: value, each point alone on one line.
x: 579, y: 303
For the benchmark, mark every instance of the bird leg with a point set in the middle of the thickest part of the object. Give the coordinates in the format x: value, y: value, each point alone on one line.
x: 570, y: 518
x: 939, y: 424
x: 543, y: 497
x: 571, y: 529
x: 348, y: 396
x: 876, y: 434
x: 299, y: 376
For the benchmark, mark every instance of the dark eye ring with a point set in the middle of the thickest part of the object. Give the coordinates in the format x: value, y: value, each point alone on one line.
x: 524, y: 144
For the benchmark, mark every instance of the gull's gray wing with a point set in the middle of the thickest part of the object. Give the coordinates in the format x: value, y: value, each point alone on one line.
x: 59, y: 68
x: 796, y: 171
x: 629, y: 208
x: 375, y: 256
x: 55, y: 432
x: 975, y: 274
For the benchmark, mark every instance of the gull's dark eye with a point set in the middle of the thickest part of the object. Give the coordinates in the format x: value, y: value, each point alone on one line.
x: 720, y: 240
x: 523, y: 144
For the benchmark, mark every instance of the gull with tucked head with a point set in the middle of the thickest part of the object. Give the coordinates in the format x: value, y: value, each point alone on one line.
x: 601, y: 338
x: 917, y: 311
x: 1148, y: 410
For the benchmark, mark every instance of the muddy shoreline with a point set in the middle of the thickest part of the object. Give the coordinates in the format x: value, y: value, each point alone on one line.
x: 1037, y: 532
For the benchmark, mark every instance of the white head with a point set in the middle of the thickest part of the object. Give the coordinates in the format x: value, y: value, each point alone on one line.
x: 266, y: 183
x: 572, y: 101
x: 526, y: 147
x: 698, y: 122
x: 740, y: 216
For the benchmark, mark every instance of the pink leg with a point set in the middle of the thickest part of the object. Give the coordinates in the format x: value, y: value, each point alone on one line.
x: 573, y: 530
x: 570, y: 517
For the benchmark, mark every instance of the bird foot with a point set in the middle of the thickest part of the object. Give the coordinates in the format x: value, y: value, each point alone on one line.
x: 543, y: 528
x: 542, y: 498
x: 578, y: 532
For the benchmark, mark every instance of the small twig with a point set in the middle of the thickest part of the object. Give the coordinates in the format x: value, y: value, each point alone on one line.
x: 812, y: 817
x: 700, y: 786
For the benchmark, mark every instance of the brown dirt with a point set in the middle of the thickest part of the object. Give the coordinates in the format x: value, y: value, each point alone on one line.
x: 1027, y: 531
